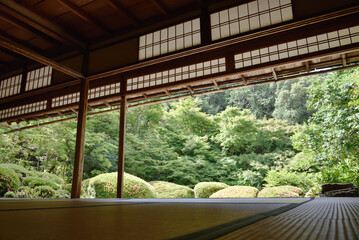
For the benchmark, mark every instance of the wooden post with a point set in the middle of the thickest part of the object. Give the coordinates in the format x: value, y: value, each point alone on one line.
x: 80, y: 140
x: 205, y: 25
x: 121, y: 142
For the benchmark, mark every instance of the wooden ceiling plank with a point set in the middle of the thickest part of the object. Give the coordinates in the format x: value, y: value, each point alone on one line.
x: 83, y: 14
x: 24, y: 51
x: 161, y: 7
x: 119, y: 7
x: 42, y: 24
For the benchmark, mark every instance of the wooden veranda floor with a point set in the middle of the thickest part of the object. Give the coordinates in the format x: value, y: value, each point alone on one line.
x: 320, y: 218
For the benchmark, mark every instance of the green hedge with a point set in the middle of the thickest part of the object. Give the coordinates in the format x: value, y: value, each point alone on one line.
x: 9, y: 180
x: 49, y: 176
x: 20, y: 170
x: 206, y: 189
x: 38, y: 181
x: 44, y: 192
x: 104, y: 186
x: 171, y: 190
x: 236, y: 192
x: 281, y: 192
x: 10, y: 195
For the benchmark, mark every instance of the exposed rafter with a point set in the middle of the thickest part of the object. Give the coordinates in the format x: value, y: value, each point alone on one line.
x: 274, y: 74
x: 244, y: 79
x: 161, y: 7
x: 24, y: 51
x: 82, y: 14
x: 215, y: 83
x: 119, y: 7
x: 23, y: 17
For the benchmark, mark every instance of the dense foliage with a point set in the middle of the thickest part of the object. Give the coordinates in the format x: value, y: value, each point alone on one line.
x: 300, y: 133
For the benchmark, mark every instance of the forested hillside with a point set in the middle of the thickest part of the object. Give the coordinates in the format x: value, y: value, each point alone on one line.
x: 300, y: 132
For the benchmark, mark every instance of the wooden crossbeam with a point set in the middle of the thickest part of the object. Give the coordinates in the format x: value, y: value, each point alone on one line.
x: 274, y: 74
x: 123, y: 10
x: 244, y: 79
x: 160, y: 6
x: 215, y: 83
x: 145, y: 96
x: 107, y: 104
x: 24, y: 17
x: 24, y: 51
x: 83, y: 14
x: 190, y: 90
x: 168, y: 92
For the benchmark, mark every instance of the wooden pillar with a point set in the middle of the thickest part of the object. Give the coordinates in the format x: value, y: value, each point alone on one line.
x: 23, y: 80
x: 80, y: 140
x: 205, y: 25
x: 121, y: 142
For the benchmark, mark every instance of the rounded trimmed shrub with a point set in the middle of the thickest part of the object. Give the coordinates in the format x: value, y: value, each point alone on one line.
x: 236, y: 192
x: 44, y: 192
x: 104, y: 186
x: 206, y: 189
x: 10, y: 195
x: 38, y: 181
x: 171, y: 190
x: 49, y: 176
x: 9, y: 180
x: 281, y: 192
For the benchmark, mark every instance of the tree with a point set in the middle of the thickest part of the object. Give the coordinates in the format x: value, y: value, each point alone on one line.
x: 332, y: 134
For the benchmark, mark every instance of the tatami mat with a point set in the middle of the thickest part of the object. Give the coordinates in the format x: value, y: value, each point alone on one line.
x: 128, y: 219
x: 322, y: 218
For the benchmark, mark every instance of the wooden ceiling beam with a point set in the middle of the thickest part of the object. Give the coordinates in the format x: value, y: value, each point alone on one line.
x: 46, y: 26
x: 124, y: 11
x: 24, y: 51
x: 83, y: 14
x: 161, y: 7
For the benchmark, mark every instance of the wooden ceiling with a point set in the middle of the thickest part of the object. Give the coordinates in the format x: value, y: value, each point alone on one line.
x: 52, y: 27
x: 100, y: 40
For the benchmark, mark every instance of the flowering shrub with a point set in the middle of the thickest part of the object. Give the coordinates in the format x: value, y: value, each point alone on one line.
x: 172, y: 190
x: 105, y: 186
x: 20, y: 170
x: 206, y: 189
x: 25, y: 192
x: 9, y: 180
x: 44, y: 192
x: 236, y: 192
x: 49, y: 176
x: 38, y: 181
x: 281, y: 192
